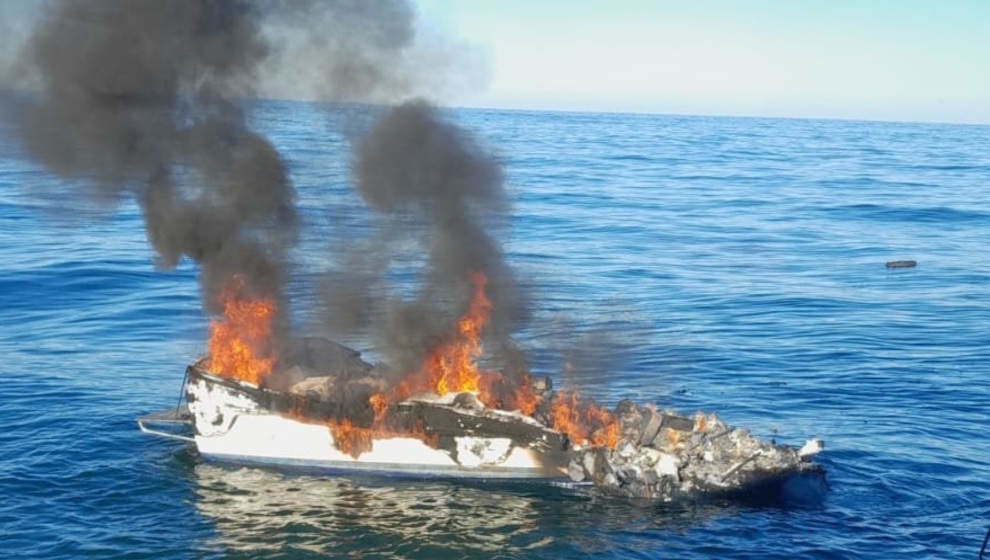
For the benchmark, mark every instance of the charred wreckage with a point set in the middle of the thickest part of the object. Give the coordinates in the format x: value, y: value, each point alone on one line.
x: 332, y: 415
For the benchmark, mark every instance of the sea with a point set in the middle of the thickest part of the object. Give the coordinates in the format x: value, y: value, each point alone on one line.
x: 734, y: 265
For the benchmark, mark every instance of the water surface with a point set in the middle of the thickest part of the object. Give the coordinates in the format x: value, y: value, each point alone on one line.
x: 725, y: 264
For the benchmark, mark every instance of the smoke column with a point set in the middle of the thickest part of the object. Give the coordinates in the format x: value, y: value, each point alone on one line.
x: 143, y: 99
x: 430, y: 181
x: 138, y: 100
x: 363, y: 51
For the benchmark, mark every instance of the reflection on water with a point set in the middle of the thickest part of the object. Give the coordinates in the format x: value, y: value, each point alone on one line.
x: 261, y: 512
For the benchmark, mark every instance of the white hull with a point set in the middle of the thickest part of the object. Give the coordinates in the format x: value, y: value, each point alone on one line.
x: 230, y: 425
x: 273, y: 439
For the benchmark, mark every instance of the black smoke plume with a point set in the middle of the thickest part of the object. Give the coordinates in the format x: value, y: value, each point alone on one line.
x: 138, y: 99
x: 145, y: 99
x: 432, y: 182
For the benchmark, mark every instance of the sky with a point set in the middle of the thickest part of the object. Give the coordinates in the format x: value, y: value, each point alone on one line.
x: 899, y: 60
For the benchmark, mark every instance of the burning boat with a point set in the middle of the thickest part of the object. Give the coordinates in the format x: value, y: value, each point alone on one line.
x: 318, y: 404
x: 317, y: 423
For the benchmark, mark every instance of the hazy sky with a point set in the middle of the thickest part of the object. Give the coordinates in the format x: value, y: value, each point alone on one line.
x: 923, y: 60
x: 886, y: 60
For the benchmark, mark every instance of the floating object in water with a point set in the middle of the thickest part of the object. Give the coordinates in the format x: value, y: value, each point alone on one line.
x: 901, y: 264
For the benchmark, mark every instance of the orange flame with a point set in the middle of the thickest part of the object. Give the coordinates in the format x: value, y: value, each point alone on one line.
x: 240, y: 342
x: 379, y: 404
x: 524, y: 397
x: 594, y: 425
x: 564, y: 417
x: 351, y: 439
x: 451, y: 367
x: 606, y: 426
x: 355, y: 440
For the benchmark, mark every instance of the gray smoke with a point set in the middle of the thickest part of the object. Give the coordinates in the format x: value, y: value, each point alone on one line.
x: 350, y: 48
x: 17, y: 19
x: 138, y: 100
x: 431, y: 183
x: 144, y: 99
x: 365, y: 51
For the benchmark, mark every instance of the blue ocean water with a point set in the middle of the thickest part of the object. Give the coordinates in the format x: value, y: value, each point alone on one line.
x: 727, y: 264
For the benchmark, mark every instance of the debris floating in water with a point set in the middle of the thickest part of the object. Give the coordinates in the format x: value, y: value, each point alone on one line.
x: 901, y: 264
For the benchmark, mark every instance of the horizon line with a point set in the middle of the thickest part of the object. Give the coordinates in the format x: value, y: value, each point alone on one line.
x: 482, y: 107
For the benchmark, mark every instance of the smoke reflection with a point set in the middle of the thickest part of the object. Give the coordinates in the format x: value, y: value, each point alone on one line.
x: 260, y: 512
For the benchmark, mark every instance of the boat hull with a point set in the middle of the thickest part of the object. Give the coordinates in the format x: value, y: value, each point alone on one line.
x: 234, y: 422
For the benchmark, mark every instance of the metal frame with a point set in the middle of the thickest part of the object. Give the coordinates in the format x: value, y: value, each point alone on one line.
x: 179, y: 415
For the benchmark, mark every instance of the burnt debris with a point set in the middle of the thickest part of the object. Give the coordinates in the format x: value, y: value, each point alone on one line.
x: 665, y: 456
